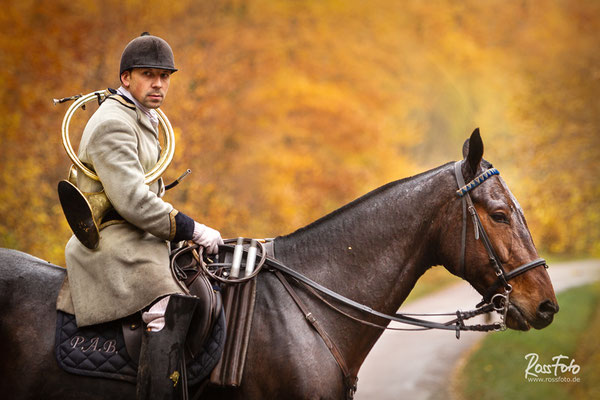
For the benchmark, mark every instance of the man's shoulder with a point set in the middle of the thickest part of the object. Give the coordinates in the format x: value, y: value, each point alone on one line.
x: 115, y: 109
x: 110, y: 116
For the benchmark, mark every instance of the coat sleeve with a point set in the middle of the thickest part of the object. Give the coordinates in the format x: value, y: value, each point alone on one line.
x: 113, y: 152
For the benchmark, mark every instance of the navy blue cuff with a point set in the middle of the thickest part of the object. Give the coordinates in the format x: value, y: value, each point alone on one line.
x: 184, y: 227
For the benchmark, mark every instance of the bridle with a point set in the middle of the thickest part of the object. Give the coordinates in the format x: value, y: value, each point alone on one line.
x: 499, y: 300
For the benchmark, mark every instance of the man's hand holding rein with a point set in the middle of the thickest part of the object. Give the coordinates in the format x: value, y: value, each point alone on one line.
x: 207, y: 237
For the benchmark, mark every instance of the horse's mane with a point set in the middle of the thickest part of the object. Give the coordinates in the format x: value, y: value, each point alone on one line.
x: 366, y: 197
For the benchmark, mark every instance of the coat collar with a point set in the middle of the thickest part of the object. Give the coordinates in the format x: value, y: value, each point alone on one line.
x: 124, y: 101
x: 141, y: 116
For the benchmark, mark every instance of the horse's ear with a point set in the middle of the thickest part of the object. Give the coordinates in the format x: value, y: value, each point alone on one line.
x: 473, y: 150
x: 465, y: 150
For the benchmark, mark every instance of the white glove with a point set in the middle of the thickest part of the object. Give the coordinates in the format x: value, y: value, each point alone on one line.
x: 207, y: 237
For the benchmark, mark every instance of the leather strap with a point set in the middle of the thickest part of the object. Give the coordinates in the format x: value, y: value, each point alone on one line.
x: 524, y: 268
x: 512, y: 274
x: 477, y: 228
x: 463, y: 238
x: 480, y: 232
x: 277, y: 266
x: 349, y: 379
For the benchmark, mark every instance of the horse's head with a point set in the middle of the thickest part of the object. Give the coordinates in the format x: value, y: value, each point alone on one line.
x: 500, y: 222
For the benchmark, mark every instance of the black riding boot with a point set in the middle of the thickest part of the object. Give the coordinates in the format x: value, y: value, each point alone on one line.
x: 160, y: 374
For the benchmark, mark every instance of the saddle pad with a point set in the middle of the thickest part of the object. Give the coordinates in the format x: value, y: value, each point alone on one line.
x: 99, y: 350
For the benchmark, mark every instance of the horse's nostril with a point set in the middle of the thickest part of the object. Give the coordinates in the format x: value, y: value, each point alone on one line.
x: 547, y: 309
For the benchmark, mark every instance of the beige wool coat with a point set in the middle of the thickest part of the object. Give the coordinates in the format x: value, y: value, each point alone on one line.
x: 130, y: 267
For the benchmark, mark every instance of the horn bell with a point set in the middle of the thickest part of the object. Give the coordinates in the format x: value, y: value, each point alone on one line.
x: 83, y: 212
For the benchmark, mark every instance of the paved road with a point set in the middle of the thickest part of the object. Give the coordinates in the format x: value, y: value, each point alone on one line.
x: 418, y: 365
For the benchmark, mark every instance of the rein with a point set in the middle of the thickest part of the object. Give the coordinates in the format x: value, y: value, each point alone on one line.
x: 453, y: 325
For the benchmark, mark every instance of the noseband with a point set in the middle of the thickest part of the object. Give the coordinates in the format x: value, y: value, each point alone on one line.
x: 499, y: 300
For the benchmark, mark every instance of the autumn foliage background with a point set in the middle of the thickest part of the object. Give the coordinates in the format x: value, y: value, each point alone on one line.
x: 286, y: 110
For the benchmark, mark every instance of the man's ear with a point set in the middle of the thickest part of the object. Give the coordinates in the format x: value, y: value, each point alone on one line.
x: 125, y: 77
x: 473, y: 150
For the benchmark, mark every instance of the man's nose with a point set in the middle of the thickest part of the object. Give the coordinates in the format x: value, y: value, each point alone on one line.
x: 157, y: 82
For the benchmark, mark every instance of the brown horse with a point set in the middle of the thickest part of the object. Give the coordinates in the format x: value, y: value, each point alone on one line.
x: 372, y: 250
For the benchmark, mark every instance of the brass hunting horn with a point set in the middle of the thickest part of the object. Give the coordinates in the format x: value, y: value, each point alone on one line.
x: 84, y: 211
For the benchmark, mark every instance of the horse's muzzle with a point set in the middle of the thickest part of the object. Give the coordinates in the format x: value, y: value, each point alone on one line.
x: 544, y: 314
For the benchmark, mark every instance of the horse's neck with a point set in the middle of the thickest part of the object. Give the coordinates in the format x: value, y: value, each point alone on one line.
x: 372, y: 250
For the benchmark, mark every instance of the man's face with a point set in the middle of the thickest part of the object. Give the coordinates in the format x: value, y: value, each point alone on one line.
x: 149, y: 86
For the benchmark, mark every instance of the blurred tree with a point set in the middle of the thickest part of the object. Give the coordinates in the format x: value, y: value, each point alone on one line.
x: 559, y: 116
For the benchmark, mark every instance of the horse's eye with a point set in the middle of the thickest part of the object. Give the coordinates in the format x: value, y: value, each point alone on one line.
x: 500, y: 218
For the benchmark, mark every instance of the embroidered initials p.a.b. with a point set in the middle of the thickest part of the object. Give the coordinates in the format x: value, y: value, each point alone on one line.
x: 97, y: 350
x: 93, y: 344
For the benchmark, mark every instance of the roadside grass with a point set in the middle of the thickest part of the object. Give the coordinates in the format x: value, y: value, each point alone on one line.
x: 496, y: 369
x: 434, y: 279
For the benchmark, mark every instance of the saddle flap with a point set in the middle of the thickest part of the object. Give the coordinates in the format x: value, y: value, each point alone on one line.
x: 207, y: 312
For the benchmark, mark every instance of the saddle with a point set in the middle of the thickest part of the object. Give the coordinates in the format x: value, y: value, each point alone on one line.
x: 217, y: 340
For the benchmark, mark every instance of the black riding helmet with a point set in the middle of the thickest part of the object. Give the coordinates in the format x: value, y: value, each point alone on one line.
x: 147, y: 51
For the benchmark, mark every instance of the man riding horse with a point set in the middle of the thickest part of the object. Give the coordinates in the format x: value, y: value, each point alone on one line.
x: 129, y: 270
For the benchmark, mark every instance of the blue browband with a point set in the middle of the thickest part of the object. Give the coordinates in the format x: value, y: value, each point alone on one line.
x: 477, y: 181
